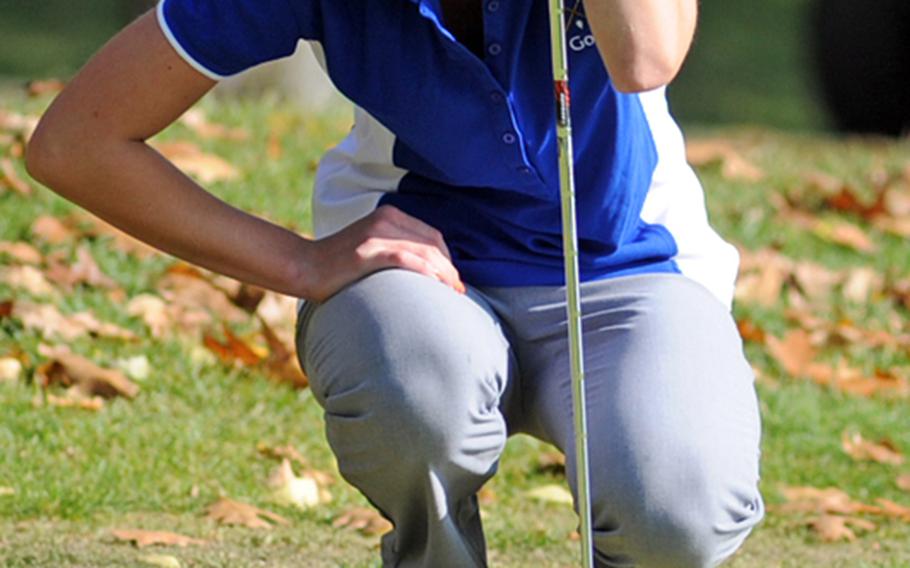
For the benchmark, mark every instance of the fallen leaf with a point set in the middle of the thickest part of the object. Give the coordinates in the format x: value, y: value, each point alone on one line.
x: 815, y: 500
x: 750, y: 331
x: 233, y: 350
x: 899, y: 227
x: 52, y: 230
x: 762, y: 287
x: 844, y: 233
x: 207, y: 168
x: 51, y: 323
x: 229, y: 512
x: 153, y: 311
x: 10, y: 178
x: 551, y: 494
x: 10, y: 369
x: 302, y: 492
x: 486, y: 495
x: 833, y: 528
x: 893, y: 510
x: 282, y: 360
x: 19, y: 124
x: 21, y: 252
x: 794, y: 353
x: 42, y: 87
x: 193, y: 290
x: 160, y: 560
x: 365, y: 520
x: 84, y: 271
x: 903, y: 482
x: 28, y: 278
x: 707, y: 151
x: 286, y: 452
x: 68, y: 369
x: 860, y: 449
x: 196, y: 120
x: 143, y: 538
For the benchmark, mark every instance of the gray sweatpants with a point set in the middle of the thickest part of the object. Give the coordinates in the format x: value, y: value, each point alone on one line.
x: 421, y: 387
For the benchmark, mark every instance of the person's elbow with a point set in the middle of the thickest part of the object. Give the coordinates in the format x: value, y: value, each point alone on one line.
x: 645, y: 71
x: 46, y: 153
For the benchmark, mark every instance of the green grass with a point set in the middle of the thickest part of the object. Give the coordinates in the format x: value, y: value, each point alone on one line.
x: 191, y: 435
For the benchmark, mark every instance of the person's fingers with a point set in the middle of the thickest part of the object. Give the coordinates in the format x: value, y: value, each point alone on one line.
x: 418, y: 257
x: 428, y: 234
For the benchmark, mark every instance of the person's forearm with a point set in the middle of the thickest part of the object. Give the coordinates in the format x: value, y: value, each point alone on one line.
x: 131, y: 186
x: 642, y: 42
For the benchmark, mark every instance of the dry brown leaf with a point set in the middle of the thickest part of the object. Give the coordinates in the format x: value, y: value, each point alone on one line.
x: 51, y: 323
x: 903, y: 482
x: 42, y: 87
x: 28, y: 278
x: 763, y: 286
x: 815, y: 280
x: 833, y: 528
x: 196, y: 120
x: 365, y: 520
x: 52, y: 230
x: 750, y: 331
x: 282, y: 362
x: 847, y: 201
x: 883, y: 451
x: 707, y: 151
x: 815, y: 500
x: 278, y: 310
x: 18, y: 124
x: 233, y: 350
x: 186, y: 286
x: 6, y: 308
x: 899, y: 227
x: 893, y: 510
x: 229, y: 512
x: 68, y: 369
x: 143, y: 538
x: 84, y: 271
x: 794, y: 353
x: 10, y: 178
x: 844, y: 233
x: 280, y: 453
x: 207, y: 168
x: 487, y: 495
x: 21, y: 252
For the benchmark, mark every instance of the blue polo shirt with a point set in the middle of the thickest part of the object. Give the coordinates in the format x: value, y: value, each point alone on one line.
x: 467, y: 143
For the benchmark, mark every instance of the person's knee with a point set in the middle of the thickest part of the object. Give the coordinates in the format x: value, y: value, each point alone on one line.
x: 685, y: 516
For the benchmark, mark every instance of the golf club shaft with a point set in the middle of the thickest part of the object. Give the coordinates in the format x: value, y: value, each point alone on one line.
x: 570, y: 253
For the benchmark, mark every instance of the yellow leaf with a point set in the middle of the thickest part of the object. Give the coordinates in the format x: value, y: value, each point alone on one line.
x: 551, y: 494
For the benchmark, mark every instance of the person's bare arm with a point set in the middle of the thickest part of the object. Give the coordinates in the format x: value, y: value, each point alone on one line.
x: 642, y: 42
x: 90, y: 148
